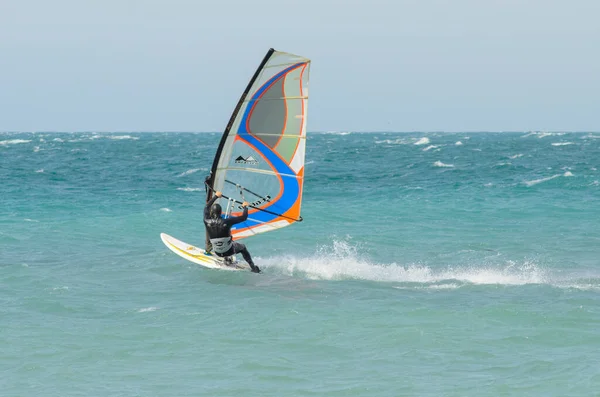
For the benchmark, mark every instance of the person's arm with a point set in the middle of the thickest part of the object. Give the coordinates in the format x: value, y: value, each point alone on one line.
x: 210, y: 203
x: 238, y: 219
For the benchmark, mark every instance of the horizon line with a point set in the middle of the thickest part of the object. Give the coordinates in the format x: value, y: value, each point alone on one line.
x: 310, y: 132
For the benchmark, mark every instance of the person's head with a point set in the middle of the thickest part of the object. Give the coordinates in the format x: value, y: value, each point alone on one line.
x: 215, y: 211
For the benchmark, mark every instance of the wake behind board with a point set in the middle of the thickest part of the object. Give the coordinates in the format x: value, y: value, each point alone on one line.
x: 197, y: 255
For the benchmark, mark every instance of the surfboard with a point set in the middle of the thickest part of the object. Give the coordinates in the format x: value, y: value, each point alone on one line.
x: 199, y: 256
x: 260, y: 157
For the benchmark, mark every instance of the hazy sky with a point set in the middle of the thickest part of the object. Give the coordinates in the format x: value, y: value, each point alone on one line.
x: 399, y: 65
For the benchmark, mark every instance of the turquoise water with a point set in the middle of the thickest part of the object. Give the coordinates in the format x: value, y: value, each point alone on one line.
x: 428, y: 264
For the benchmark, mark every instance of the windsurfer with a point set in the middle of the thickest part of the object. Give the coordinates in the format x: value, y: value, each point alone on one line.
x: 218, y: 231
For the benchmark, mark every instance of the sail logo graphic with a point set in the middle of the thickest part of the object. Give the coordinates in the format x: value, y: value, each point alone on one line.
x: 246, y: 160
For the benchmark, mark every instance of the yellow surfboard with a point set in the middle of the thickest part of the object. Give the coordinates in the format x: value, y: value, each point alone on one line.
x: 197, y: 255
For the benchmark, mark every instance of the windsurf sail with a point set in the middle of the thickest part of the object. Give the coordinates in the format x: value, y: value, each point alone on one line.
x: 260, y: 158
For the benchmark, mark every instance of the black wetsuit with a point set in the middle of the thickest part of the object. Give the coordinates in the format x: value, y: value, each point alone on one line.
x: 219, y: 228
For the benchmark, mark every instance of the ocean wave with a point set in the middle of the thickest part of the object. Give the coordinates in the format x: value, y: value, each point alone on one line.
x: 166, y: 210
x: 541, y: 180
x: 422, y: 141
x: 87, y: 138
x: 459, y: 143
x: 562, y: 143
x: 190, y: 189
x: 430, y: 147
x: 147, y: 309
x: 399, y: 141
x: 540, y: 135
x: 442, y: 165
x: 515, y: 156
x: 342, y: 133
x: 188, y: 172
x: 121, y: 137
x: 13, y: 142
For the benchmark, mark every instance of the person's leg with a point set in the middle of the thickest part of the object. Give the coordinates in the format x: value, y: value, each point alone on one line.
x: 240, y: 248
x: 227, y: 256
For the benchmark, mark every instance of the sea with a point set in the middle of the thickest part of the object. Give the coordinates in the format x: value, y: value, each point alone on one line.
x: 427, y: 264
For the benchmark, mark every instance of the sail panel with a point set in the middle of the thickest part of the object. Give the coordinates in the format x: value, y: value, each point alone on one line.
x: 261, y: 155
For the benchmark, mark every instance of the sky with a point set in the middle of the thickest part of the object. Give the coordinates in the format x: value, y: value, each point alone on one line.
x: 377, y: 65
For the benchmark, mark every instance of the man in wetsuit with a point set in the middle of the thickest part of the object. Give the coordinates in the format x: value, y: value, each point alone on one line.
x: 219, y: 231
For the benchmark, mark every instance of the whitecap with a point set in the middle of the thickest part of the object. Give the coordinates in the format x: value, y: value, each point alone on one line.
x: 516, y: 156
x: 540, y: 134
x: 536, y: 181
x: 459, y: 143
x: 422, y: 141
x: 440, y: 164
x: 13, y: 142
x: 190, y: 189
x: 188, y: 172
x: 121, y: 137
x: 568, y: 173
x: 166, y: 210
x: 341, y: 133
x: 399, y: 141
x: 545, y: 134
x: 41, y: 170
x: 562, y: 143
x: 147, y: 309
